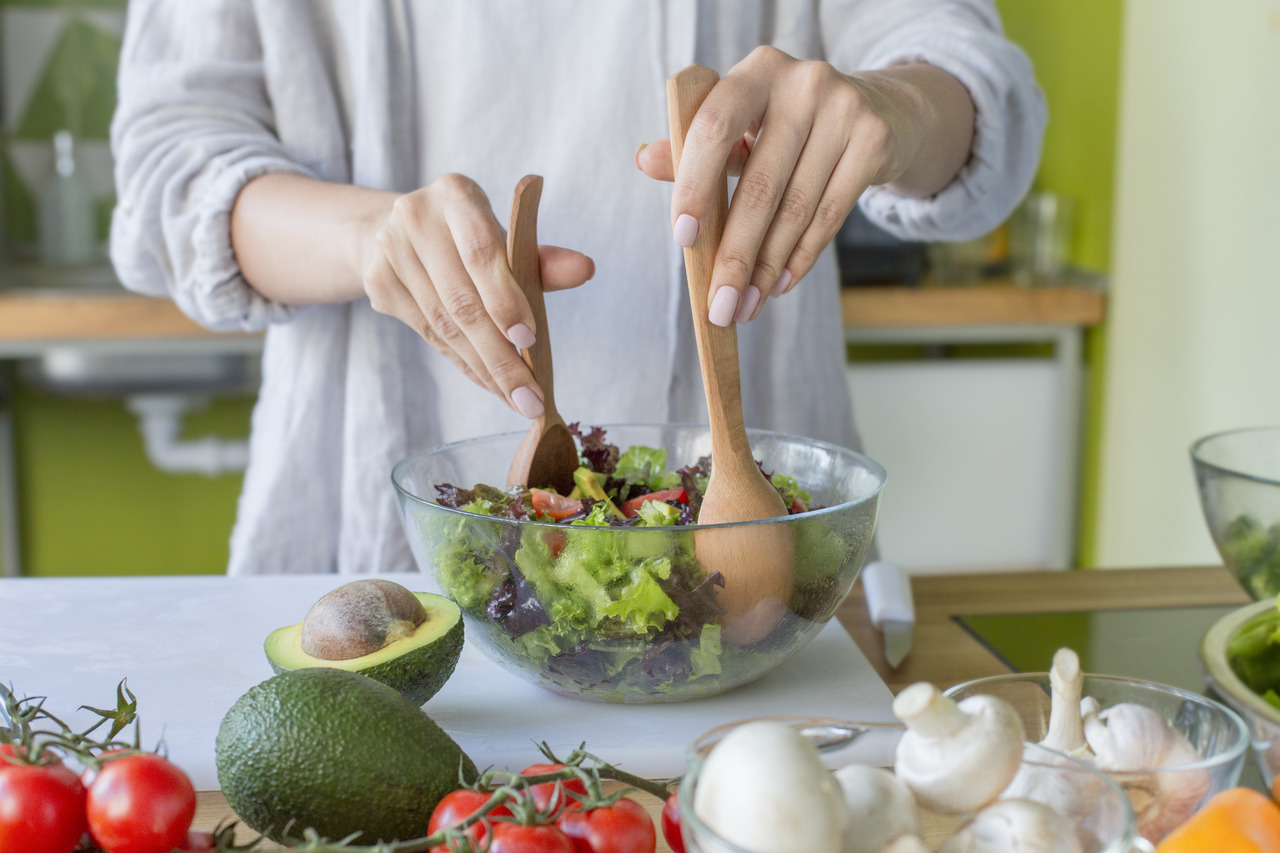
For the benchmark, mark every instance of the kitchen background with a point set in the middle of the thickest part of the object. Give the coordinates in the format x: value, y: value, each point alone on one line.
x: 1161, y: 145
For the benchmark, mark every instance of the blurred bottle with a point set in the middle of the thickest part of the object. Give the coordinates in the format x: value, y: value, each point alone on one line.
x: 67, y: 229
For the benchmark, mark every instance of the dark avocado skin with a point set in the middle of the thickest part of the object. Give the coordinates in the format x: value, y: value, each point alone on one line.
x: 337, y: 752
x: 421, y: 670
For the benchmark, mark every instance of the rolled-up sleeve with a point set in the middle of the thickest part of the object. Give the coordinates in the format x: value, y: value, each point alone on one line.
x: 194, y: 125
x: 964, y: 38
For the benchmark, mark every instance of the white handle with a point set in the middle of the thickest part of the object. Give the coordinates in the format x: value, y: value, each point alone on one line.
x: 888, y: 591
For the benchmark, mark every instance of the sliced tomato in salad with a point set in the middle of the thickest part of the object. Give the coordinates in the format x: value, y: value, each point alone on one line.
x: 552, y: 504
x: 632, y: 507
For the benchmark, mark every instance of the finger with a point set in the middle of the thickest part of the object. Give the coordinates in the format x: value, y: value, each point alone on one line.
x: 481, y: 243
x: 782, y: 140
x: 468, y: 265
x: 388, y: 295
x: 733, y: 108
x: 654, y: 158
x: 437, y: 325
x: 850, y: 179
x: 813, y: 171
x: 564, y: 268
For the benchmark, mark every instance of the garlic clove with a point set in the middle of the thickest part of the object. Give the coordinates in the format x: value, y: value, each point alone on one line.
x: 1066, y: 723
x: 878, y: 808
x: 956, y: 757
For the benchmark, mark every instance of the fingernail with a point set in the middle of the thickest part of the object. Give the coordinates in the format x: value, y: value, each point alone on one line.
x: 527, y: 402
x: 750, y: 300
x: 521, y: 336
x: 783, y: 281
x: 638, y: 150
x: 685, y: 230
x: 723, y: 305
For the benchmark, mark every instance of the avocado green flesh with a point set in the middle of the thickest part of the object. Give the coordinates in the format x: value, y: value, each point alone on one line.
x: 337, y: 752
x: 417, y: 665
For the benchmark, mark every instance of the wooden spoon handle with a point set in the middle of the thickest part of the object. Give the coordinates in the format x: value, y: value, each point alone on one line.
x: 522, y: 257
x: 717, y: 345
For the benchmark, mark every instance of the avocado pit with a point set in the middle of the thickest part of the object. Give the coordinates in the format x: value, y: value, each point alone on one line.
x: 360, y: 618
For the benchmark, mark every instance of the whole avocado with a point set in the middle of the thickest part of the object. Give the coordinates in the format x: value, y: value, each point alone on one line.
x: 337, y: 752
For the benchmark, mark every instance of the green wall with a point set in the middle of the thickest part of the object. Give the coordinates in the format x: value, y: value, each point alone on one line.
x: 1075, y: 47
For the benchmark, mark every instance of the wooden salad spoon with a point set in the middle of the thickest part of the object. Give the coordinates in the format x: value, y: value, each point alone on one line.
x: 547, y: 457
x: 757, y: 561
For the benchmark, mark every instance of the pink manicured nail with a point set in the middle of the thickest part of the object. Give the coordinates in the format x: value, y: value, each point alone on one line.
x: 521, y: 336
x: 723, y: 304
x: 750, y: 300
x: 685, y: 231
x: 527, y: 402
x: 783, y: 281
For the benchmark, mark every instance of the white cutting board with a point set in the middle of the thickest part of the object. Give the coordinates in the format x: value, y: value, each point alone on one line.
x: 190, y: 646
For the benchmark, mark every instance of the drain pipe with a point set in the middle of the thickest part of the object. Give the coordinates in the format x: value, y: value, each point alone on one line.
x: 160, y: 421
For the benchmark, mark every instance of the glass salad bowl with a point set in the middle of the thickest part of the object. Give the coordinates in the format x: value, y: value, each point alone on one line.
x: 1162, y: 796
x: 1238, y: 475
x: 1093, y: 805
x: 627, y: 613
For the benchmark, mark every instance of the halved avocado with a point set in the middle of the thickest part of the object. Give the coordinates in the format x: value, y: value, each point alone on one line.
x: 417, y: 664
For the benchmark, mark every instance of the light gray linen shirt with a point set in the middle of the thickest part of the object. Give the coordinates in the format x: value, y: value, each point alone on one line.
x: 394, y: 93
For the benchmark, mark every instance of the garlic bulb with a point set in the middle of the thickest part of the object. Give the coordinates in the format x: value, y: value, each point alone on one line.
x: 1128, y: 739
x: 878, y: 808
x: 1014, y: 826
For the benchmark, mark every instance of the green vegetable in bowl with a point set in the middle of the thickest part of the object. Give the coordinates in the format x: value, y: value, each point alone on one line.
x: 622, y: 611
x: 1254, y: 654
x: 1253, y: 552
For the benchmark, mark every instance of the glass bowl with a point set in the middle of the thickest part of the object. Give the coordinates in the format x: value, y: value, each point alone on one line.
x: 1262, y: 717
x: 1238, y: 474
x: 1217, y: 733
x: 1101, y: 815
x: 627, y: 614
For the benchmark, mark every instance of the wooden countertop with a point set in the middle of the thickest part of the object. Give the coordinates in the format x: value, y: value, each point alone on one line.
x: 947, y: 654
x: 106, y: 312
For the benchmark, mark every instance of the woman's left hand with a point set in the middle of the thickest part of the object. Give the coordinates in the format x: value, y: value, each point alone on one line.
x: 806, y: 141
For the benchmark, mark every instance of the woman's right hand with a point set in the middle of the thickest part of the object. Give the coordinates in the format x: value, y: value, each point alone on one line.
x: 436, y: 260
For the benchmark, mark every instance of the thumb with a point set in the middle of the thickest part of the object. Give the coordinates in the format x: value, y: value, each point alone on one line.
x: 564, y: 268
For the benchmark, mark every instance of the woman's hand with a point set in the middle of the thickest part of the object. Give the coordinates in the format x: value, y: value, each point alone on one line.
x: 438, y: 262
x: 434, y: 258
x: 806, y: 141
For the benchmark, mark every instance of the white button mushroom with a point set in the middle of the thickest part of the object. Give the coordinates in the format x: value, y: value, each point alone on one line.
x: 956, y: 757
x: 764, y: 788
x: 1065, y: 793
x: 1014, y: 826
x: 878, y: 807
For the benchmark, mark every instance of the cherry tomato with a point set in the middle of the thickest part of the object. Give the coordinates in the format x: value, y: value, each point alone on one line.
x: 624, y: 827
x: 632, y: 506
x: 457, y: 807
x: 41, y: 807
x: 552, y: 504
x: 544, y: 792
x: 140, y: 803
x: 519, y: 838
x: 671, y: 824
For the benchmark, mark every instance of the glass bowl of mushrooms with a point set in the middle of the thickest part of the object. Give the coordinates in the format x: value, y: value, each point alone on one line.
x: 952, y: 777
x: 1168, y: 749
